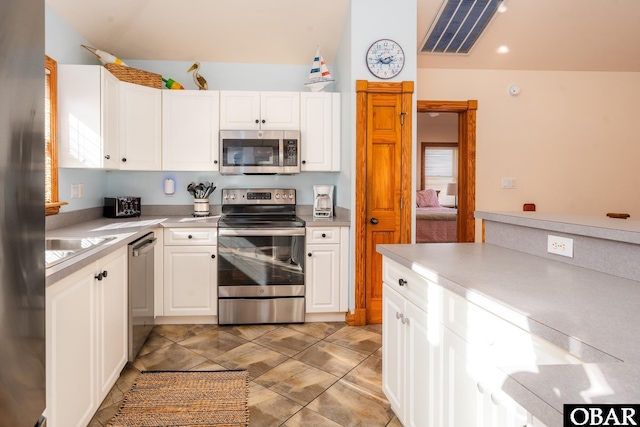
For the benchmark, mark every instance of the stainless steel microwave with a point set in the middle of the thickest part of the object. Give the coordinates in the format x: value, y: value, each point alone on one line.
x: 259, y: 152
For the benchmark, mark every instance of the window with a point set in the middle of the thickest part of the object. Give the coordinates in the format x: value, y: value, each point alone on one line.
x: 439, y: 168
x: 52, y: 205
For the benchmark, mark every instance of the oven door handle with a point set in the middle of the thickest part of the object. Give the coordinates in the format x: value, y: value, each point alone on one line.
x: 261, y: 231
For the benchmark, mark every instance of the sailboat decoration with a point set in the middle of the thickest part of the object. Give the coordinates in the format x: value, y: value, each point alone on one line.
x: 104, y: 57
x: 319, y: 77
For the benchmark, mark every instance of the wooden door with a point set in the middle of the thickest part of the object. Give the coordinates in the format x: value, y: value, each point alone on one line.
x: 383, y: 186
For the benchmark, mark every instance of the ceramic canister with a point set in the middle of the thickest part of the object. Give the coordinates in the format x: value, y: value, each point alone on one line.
x: 201, y: 207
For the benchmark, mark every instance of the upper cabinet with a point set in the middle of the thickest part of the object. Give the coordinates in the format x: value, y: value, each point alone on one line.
x: 140, y: 127
x: 88, y: 117
x: 190, y: 125
x: 320, y: 131
x: 240, y: 110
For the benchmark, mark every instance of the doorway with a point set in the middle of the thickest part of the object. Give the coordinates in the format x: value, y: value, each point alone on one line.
x: 466, y: 197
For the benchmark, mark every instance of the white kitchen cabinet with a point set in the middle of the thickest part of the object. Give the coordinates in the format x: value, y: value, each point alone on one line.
x: 190, y: 272
x: 190, y: 128
x: 88, y: 118
x: 411, y: 360
x: 140, y: 127
x: 441, y: 355
x: 246, y: 110
x: 320, y: 131
x: 86, y: 339
x: 326, y: 269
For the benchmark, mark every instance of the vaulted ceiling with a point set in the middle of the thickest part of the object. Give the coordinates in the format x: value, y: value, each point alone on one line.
x: 587, y: 35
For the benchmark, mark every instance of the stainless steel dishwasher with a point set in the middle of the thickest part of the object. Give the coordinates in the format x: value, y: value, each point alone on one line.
x: 141, y: 271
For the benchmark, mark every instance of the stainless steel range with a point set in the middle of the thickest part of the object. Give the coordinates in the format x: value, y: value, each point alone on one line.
x: 260, y: 258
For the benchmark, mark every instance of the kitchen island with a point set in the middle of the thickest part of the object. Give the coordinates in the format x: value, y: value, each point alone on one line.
x: 590, y: 315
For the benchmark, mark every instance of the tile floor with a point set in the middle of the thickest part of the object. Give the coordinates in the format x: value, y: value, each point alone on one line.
x: 309, y: 375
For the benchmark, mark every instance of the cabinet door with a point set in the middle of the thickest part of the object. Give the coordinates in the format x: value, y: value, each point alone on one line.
x: 140, y: 127
x: 190, y: 125
x: 70, y: 350
x: 393, y: 353
x: 79, y: 116
x: 112, y: 319
x: 463, y: 398
x: 110, y: 104
x: 280, y: 110
x: 323, y: 278
x: 190, y: 287
x: 423, y: 391
x: 320, y: 149
x: 239, y: 110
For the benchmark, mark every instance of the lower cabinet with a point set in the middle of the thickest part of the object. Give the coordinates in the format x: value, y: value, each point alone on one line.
x: 190, y: 272
x: 441, y: 353
x: 411, y: 361
x: 326, y: 269
x: 86, y: 339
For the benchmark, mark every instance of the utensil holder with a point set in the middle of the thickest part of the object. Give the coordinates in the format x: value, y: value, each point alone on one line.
x: 200, y: 207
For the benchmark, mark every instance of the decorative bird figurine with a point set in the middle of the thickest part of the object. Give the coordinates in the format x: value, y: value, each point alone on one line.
x: 104, y: 57
x: 200, y: 81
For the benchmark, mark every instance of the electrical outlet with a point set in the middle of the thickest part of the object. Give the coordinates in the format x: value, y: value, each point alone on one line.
x: 75, y: 191
x: 560, y: 246
x: 80, y: 191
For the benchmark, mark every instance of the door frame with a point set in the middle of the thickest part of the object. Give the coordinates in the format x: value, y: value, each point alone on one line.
x: 466, y: 110
x: 363, y: 88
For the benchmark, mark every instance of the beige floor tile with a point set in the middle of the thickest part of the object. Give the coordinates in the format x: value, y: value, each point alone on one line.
x: 249, y: 332
x: 357, y: 338
x: 170, y: 358
x: 177, y: 333
x: 319, y: 330
x: 307, y: 418
x: 286, y: 341
x: 350, y: 405
x: 252, y: 357
x: 331, y: 358
x: 154, y: 342
x: 208, y: 366
x: 297, y: 381
x: 212, y: 343
x: 374, y: 328
x: 368, y: 374
x: 268, y: 408
x: 395, y: 422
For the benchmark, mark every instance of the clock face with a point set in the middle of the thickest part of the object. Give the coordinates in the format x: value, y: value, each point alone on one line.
x: 385, y: 59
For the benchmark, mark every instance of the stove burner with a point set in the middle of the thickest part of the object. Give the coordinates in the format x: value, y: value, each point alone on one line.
x: 259, y: 208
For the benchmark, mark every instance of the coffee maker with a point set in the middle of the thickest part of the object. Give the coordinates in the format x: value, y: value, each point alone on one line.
x: 322, y: 201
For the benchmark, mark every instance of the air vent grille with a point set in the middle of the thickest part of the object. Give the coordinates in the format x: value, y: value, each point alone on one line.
x: 458, y: 25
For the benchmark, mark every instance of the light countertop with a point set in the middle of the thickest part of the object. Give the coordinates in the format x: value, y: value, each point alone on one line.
x: 592, y: 315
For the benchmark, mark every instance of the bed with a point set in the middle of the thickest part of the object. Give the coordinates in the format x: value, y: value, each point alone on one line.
x: 434, y: 223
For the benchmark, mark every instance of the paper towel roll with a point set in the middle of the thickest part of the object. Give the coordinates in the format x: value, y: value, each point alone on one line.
x: 169, y: 186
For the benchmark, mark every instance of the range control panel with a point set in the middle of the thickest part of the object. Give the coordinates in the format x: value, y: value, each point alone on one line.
x: 259, y: 196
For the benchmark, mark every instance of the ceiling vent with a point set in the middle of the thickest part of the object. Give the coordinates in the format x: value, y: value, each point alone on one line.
x: 458, y: 25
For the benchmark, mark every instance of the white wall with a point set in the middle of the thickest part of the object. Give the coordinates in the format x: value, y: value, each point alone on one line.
x: 569, y: 138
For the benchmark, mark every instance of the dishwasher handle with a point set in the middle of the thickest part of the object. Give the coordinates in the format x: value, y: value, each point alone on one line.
x: 144, y: 247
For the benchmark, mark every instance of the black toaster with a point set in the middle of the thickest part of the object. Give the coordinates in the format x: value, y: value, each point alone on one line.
x: 121, y: 207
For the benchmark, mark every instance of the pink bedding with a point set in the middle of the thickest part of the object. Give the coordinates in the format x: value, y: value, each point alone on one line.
x: 436, y: 225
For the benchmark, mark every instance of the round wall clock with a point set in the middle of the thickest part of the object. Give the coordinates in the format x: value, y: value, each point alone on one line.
x: 385, y: 59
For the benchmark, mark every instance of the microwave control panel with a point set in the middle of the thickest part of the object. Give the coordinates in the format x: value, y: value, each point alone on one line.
x: 290, y: 152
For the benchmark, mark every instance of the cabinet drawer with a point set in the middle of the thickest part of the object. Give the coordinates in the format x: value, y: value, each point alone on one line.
x: 323, y: 234
x: 498, y: 340
x: 190, y: 236
x: 420, y: 291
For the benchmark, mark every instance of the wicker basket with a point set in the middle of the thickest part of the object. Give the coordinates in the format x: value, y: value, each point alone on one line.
x: 134, y: 75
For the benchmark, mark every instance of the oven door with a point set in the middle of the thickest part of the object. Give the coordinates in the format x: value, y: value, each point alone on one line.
x: 261, y: 276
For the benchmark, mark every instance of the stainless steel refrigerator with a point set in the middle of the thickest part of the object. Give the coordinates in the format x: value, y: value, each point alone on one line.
x: 22, y: 349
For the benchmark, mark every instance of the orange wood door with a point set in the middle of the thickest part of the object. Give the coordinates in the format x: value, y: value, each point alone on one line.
x: 383, y: 193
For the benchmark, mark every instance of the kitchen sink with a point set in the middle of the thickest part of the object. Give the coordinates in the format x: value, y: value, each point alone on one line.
x: 60, y: 249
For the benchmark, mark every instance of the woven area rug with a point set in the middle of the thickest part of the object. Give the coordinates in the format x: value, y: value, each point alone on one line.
x: 192, y: 399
